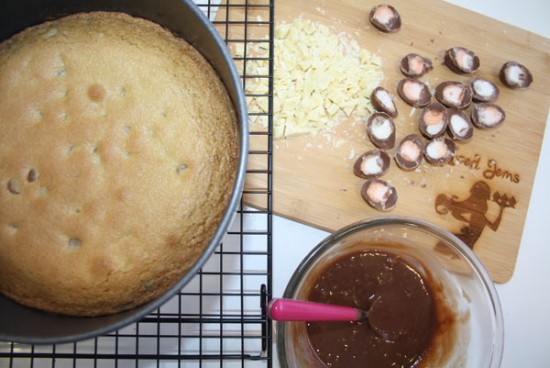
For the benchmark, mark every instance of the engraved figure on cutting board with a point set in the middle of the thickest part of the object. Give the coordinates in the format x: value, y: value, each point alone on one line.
x: 473, y: 210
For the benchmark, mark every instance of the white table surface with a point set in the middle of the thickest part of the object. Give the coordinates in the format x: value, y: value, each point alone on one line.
x: 525, y: 298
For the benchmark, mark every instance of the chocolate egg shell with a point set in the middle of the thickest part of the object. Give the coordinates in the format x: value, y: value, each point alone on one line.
x: 381, y: 130
x: 459, y: 126
x: 379, y: 194
x: 461, y: 60
x: 487, y: 115
x: 372, y: 164
x: 385, y: 17
x: 409, y: 152
x: 483, y: 90
x: 415, y: 66
x: 440, y: 151
x: 514, y: 75
x: 382, y: 101
x: 432, y: 121
x: 414, y: 92
x: 454, y: 94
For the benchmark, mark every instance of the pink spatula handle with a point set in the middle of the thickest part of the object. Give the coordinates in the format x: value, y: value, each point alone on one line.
x: 298, y: 310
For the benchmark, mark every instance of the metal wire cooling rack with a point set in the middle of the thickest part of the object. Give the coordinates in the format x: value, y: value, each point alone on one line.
x: 219, y: 318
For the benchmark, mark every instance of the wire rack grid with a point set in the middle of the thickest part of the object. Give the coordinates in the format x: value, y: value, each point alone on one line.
x: 219, y: 318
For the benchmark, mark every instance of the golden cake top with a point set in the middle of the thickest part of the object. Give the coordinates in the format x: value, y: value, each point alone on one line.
x: 118, y: 153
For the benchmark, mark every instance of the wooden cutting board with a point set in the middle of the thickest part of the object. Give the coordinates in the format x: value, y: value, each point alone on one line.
x: 487, y: 189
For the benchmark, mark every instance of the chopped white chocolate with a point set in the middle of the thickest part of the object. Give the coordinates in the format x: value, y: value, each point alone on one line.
x: 320, y: 78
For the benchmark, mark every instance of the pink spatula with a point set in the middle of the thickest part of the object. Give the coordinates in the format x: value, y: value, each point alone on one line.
x: 299, y: 310
x: 376, y: 317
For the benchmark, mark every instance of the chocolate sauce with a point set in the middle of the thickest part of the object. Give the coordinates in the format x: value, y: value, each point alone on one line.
x: 402, y: 312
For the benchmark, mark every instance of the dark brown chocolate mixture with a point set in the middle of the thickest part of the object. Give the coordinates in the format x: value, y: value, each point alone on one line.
x: 402, y: 316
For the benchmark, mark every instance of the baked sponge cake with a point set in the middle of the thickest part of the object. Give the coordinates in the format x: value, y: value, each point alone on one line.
x: 118, y: 153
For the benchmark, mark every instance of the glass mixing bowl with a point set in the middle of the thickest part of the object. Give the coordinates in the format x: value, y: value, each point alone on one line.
x: 467, y: 290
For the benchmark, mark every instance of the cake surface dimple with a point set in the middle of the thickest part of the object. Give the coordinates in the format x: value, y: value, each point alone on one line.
x: 118, y: 152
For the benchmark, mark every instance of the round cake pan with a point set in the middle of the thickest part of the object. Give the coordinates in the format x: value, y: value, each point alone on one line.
x: 25, y: 325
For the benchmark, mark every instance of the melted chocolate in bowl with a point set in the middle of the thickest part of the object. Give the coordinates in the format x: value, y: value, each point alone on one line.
x: 419, y: 281
x: 403, y: 309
